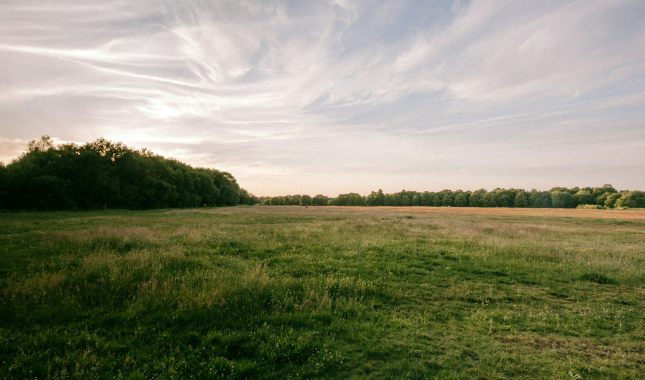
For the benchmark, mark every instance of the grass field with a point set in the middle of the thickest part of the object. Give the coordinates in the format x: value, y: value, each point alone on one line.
x: 289, y: 292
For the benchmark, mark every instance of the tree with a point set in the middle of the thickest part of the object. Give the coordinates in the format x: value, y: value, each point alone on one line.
x: 103, y: 174
x: 610, y: 201
x: 447, y: 198
x: 44, y: 144
x: 632, y: 199
x: 3, y: 186
x: 247, y: 198
x: 376, y: 198
x: 351, y: 199
x: 477, y: 198
x: 489, y: 200
x: 460, y: 199
x: 584, y: 197
x: 521, y: 199
x: 305, y: 200
x: 562, y: 199
x: 320, y: 200
x: 600, y: 193
x: 504, y: 197
x: 426, y: 198
x: 540, y: 199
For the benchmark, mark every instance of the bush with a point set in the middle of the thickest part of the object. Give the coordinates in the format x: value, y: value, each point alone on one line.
x: 590, y: 207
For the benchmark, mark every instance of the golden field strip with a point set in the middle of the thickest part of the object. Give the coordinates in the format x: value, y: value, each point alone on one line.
x: 627, y: 214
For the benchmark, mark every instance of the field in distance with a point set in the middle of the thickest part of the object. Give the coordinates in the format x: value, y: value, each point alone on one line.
x: 323, y: 292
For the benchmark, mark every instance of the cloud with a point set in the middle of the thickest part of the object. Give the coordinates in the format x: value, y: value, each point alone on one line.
x: 337, y: 95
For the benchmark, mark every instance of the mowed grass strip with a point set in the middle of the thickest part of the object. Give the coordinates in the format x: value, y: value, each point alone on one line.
x: 289, y: 292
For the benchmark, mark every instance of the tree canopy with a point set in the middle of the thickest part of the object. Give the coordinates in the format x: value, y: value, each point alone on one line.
x: 102, y: 174
x: 558, y: 197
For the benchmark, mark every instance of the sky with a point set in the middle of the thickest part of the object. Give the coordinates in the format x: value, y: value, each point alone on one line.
x: 339, y: 96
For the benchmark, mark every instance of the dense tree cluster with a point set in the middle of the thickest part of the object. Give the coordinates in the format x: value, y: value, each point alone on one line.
x: 559, y: 197
x: 102, y: 174
x: 296, y: 200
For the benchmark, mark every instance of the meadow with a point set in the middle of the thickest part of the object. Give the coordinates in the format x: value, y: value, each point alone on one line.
x: 323, y: 292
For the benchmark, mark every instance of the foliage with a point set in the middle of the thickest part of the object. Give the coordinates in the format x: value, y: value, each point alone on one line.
x: 562, y: 199
x: 351, y: 199
x: 610, y: 199
x: 102, y: 174
x: 589, y: 207
x: 584, y: 197
x: 633, y: 199
x: 521, y: 199
x: 557, y: 197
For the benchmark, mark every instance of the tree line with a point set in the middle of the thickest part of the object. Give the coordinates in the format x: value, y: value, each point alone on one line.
x: 558, y: 197
x: 102, y: 174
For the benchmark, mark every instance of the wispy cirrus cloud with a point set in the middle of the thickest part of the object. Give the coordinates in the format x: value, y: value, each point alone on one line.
x: 339, y: 96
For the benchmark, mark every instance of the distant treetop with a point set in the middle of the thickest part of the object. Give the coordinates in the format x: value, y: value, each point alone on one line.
x: 558, y: 197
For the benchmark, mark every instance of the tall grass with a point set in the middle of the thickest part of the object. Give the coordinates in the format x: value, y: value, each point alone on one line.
x: 320, y: 293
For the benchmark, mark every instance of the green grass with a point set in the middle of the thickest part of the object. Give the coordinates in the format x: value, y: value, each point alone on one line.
x: 289, y: 292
